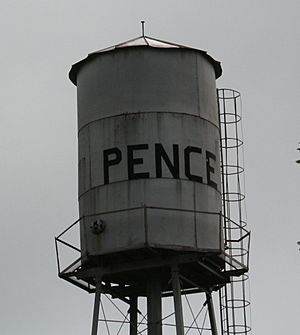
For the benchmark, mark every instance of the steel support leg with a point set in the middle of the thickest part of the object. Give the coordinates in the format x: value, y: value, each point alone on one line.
x: 96, y: 308
x: 154, y: 307
x: 133, y: 310
x: 211, y: 313
x: 177, y: 301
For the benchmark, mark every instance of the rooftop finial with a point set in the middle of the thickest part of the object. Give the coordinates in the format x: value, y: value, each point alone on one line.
x: 143, y: 27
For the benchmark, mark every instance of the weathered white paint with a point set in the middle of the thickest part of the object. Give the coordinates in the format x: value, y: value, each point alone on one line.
x: 142, y: 95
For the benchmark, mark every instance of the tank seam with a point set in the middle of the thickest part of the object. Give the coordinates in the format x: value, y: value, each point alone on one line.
x: 150, y: 178
x: 153, y: 112
x: 197, y: 84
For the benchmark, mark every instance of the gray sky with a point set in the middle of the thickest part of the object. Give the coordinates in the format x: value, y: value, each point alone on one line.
x: 258, y: 43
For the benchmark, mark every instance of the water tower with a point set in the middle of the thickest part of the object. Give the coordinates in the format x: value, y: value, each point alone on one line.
x: 151, y: 178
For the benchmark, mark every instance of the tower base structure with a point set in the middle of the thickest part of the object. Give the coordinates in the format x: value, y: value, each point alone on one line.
x: 152, y: 275
x: 172, y: 277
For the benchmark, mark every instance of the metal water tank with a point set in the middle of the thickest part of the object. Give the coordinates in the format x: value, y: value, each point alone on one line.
x: 149, y: 165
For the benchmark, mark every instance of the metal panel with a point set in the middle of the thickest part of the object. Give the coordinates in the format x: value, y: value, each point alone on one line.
x: 167, y: 129
x: 136, y: 80
x: 149, y: 139
x: 139, y: 42
x: 208, y: 232
x: 171, y: 229
x: 123, y: 231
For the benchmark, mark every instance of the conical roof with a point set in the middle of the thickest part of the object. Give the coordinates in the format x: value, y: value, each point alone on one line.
x: 142, y: 41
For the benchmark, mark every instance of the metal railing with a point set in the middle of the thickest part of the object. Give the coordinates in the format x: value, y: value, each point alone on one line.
x: 235, y: 262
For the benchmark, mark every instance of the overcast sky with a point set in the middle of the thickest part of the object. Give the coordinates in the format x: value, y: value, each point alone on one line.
x: 258, y: 43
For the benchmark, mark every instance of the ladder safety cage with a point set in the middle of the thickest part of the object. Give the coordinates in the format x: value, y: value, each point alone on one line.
x: 233, y: 297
